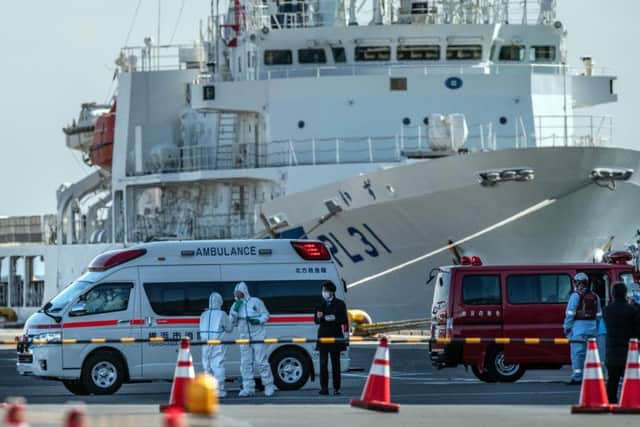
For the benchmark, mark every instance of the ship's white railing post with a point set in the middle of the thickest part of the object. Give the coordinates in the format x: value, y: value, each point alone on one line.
x: 398, y: 147
x: 540, y: 140
x: 337, y: 150
x: 401, y: 137
x: 313, y: 150
x: 370, y: 150
x: 524, y: 132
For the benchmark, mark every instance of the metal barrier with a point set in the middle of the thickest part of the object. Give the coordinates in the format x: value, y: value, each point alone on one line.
x: 302, y: 340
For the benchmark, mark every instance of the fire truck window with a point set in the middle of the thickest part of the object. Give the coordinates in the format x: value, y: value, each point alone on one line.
x: 599, y: 284
x: 481, y: 290
x: 538, y: 288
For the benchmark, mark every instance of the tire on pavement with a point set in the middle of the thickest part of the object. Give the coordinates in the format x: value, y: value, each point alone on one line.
x: 103, y: 372
x: 291, y: 368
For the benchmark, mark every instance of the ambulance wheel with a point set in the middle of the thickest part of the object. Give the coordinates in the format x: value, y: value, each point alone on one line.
x: 483, y: 376
x: 502, y: 371
x: 76, y: 387
x: 291, y: 368
x: 102, y: 373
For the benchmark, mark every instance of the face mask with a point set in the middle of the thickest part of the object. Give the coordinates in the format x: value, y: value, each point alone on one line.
x: 326, y: 295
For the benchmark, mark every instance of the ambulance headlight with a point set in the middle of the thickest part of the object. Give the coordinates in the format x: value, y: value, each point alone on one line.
x: 50, y: 337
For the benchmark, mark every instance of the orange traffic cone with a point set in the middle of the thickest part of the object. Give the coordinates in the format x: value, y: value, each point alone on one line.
x: 377, y: 390
x: 183, y: 375
x: 15, y: 415
x: 593, y: 394
x: 76, y: 417
x: 630, y: 397
x: 174, y: 417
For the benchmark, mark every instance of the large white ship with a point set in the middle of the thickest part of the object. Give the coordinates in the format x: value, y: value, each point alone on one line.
x: 430, y: 128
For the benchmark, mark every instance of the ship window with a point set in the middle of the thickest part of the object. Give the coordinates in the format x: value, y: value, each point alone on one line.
x: 312, y: 56
x: 339, y: 54
x: 398, y: 83
x: 278, y: 57
x: 373, y: 53
x: 418, y: 53
x: 464, y: 52
x: 512, y: 53
x: 542, y: 53
x: 208, y: 93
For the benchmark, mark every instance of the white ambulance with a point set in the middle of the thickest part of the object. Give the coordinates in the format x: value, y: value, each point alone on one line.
x: 160, y: 290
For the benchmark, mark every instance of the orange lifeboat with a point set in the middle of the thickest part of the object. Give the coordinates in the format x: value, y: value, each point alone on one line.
x: 101, y: 152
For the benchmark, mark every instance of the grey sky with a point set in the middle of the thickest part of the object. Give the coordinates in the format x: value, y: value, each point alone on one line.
x: 60, y: 54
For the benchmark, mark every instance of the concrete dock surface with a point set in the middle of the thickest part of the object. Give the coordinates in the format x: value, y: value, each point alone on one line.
x: 336, y: 415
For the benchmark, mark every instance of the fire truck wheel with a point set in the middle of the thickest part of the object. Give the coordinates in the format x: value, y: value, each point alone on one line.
x: 502, y: 371
x: 483, y: 376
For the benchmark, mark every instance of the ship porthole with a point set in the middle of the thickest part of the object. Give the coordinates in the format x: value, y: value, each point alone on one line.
x: 503, y: 120
x: 426, y: 121
x: 301, y: 124
x: 406, y: 121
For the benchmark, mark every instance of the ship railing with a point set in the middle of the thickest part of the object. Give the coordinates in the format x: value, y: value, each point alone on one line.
x: 162, y: 57
x: 402, y: 70
x: 298, y: 14
x: 483, y: 12
x: 573, y: 131
x: 189, y: 226
x: 543, y: 131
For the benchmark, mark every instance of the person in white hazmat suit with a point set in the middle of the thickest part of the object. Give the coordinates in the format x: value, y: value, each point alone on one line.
x: 249, y: 315
x: 214, y: 323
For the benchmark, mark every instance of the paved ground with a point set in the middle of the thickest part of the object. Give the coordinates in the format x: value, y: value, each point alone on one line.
x: 337, y: 415
x: 413, y: 382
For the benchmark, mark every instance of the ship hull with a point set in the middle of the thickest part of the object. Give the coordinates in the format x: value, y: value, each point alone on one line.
x: 397, y: 224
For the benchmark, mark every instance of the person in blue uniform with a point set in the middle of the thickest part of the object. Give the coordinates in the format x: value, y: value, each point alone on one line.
x: 581, y: 323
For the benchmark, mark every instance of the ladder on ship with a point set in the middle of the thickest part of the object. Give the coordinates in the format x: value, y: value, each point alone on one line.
x: 227, y: 136
x: 240, y: 225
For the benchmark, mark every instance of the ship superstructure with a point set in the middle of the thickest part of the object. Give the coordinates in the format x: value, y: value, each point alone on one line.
x: 283, y: 97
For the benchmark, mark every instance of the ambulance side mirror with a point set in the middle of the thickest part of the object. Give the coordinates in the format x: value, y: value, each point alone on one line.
x: 78, y: 309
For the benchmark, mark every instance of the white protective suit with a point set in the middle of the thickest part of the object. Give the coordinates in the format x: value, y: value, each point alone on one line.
x: 213, y: 324
x: 249, y: 315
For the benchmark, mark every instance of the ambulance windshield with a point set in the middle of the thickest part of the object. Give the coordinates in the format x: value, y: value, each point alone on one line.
x: 67, y: 295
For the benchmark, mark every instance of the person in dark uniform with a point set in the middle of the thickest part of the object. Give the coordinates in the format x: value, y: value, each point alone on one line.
x: 331, y: 317
x: 623, y: 323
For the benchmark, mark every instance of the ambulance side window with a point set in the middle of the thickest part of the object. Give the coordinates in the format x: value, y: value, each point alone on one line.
x: 106, y: 298
x: 192, y: 298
